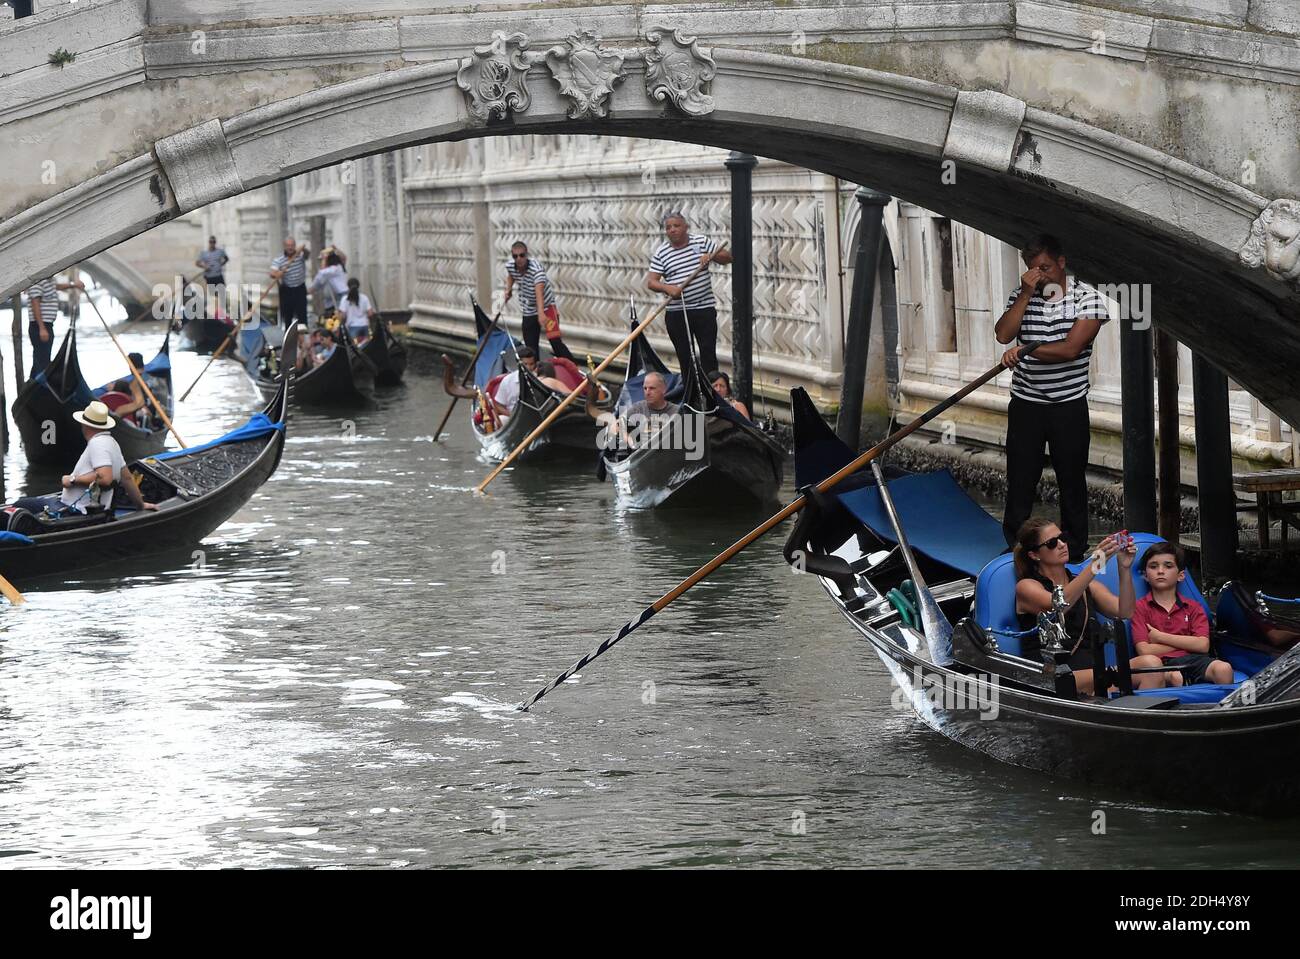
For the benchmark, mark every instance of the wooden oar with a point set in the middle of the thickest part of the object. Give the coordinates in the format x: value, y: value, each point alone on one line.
x: 10, y: 593
x: 139, y: 377
x: 469, y: 373
x: 618, y: 350
x: 227, y: 341
x: 708, y: 568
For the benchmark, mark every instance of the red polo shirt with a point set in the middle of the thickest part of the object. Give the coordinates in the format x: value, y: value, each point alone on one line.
x: 1185, y: 619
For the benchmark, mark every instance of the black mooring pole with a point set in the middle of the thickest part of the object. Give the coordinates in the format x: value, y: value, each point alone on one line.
x: 1215, y: 499
x: 742, y: 166
x: 857, y: 335
x: 1138, y: 402
x: 1170, y: 503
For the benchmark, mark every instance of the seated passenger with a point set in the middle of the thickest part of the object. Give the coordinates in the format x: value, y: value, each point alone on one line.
x: 319, y: 347
x: 547, y: 377
x: 645, y: 416
x: 92, y: 480
x: 357, y: 312
x: 131, y: 387
x: 1170, y: 627
x: 722, y: 386
x: 1040, y: 557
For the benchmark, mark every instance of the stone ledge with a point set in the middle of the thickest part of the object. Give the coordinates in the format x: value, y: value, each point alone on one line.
x: 271, y: 48
x: 1253, y: 56
x: 45, y: 88
x: 1080, y: 27
x: 28, y: 42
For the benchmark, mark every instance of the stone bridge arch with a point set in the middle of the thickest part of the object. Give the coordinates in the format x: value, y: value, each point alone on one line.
x: 1221, y: 259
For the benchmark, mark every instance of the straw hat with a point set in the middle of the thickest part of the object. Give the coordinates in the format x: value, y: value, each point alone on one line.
x: 95, y: 416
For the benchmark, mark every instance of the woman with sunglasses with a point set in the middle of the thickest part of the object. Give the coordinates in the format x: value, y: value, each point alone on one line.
x: 1041, y: 553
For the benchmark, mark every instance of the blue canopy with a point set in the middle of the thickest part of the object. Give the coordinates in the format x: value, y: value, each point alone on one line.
x: 940, y: 520
x: 492, y: 359
x: 259, y: 424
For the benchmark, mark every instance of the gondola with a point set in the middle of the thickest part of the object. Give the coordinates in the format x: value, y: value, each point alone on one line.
x: 330, y: 384
x: 203, y: 334
x: 573, y: 432
x: 60, y: 390
x: 196, y: 490
x: 386, y: 357
x: 711, y: 454
x: 906, y: 558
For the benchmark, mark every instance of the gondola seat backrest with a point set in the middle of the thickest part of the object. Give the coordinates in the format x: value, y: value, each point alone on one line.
x: 494, y: 383
x: 567, y: 372
x: 995, y: 602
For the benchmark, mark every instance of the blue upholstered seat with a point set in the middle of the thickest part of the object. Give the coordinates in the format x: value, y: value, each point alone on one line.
x: 995, y: 610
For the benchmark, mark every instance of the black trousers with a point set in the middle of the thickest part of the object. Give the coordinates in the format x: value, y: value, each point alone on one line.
x: 1064, y: 430
x: 704, y: 326
x: 293, y: 304
x: 40, y: 351
x: 533, y: 339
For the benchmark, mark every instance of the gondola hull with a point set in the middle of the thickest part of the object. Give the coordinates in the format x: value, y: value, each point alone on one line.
x: 716, y: 462
x: 387, y: 359
x: 573, y: 433
x: 330, y: 384
x: 1245, y: 759
x: 203, y: 334
x: 181, y: 521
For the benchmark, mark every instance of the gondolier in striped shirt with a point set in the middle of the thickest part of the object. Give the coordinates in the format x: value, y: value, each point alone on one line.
x: 42, y: 311
x: 1049, y: 390
x: 289, y: 269
x: 534, y: 288
x: 213, y: 262
x: 673, y: 262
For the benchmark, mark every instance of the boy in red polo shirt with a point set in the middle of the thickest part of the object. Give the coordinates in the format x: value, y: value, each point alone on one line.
x: 1175, y: 629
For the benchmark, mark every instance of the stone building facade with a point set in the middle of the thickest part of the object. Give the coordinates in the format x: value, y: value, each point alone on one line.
x: 427, y: 226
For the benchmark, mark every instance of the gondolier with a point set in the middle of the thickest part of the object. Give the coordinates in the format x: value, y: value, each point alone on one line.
x: 43, y: 310
x: 692, y: 312
x: 535, y: 288
x: 289, y: 269
x: 213, y: 262
x: 1049, y: 390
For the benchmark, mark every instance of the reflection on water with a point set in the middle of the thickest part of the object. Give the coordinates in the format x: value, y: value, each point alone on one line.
x: 331, y: 680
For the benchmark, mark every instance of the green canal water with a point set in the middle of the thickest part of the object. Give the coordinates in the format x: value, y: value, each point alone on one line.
x: 329, y: 683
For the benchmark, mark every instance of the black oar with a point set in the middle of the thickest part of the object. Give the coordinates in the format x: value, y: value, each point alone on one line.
x: 708, y: 568
x: 469, y: 372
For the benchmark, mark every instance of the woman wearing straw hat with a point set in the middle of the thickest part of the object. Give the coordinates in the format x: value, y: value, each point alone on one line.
x: 91, y: 482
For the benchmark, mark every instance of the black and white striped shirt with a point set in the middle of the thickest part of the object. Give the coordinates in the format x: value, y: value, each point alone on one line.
x: 214, y: 262
x: 295, y: 273
x: 1049, y: 322
x: 527, y: 283
x: 48, y: 291
x: 674, y: 265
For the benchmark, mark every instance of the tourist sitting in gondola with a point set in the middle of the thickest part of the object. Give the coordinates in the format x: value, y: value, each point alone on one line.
x: 356, y: 311
x: 1041, y: 553
x: 137, y: 410
x: 319, y: 347
x: 722, y: 386
x: 1174, y: 629
x: 638, y: 422
x: 98, y: 473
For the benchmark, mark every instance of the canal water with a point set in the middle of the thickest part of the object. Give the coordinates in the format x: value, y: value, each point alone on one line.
x: 329, y: 683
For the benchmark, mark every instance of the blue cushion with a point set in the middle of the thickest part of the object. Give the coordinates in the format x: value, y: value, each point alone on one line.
x: 995, y: 601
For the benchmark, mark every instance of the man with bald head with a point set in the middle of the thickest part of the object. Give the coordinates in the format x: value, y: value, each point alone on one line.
x: 647, y: 415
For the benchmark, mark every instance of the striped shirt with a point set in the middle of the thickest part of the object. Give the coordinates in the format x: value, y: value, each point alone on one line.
x: 1050, y: 322
x: 675, y: 265
x: 295, y: 273
x: 48, y: 291
x: 213, y: 262
x: 527, y: 283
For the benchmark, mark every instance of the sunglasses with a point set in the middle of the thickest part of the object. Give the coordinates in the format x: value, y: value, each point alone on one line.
x: 1049, y: 543
x: 520, y: 256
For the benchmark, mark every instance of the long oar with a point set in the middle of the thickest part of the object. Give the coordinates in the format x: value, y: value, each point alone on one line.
x: 227, y: 341
x: 564, y: 403
x: 139, y: 377
x: 10, y: 593
x: 469, y: 373
x: 708, y: 568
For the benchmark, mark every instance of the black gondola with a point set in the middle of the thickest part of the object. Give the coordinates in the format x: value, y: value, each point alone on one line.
x: 332, y: 383
x: 385, y: 354
x: 58, y: 391
x: 874, y: 551
x: 573, y: 432
x: 203, y: 334
x: 711, y: 453
x: 196, y: 491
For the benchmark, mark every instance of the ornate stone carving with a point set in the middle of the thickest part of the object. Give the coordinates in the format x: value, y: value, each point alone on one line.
x: 1274, y: 242
x: 586, y: 74
x: 678, y: 69
x: 495, y: 77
